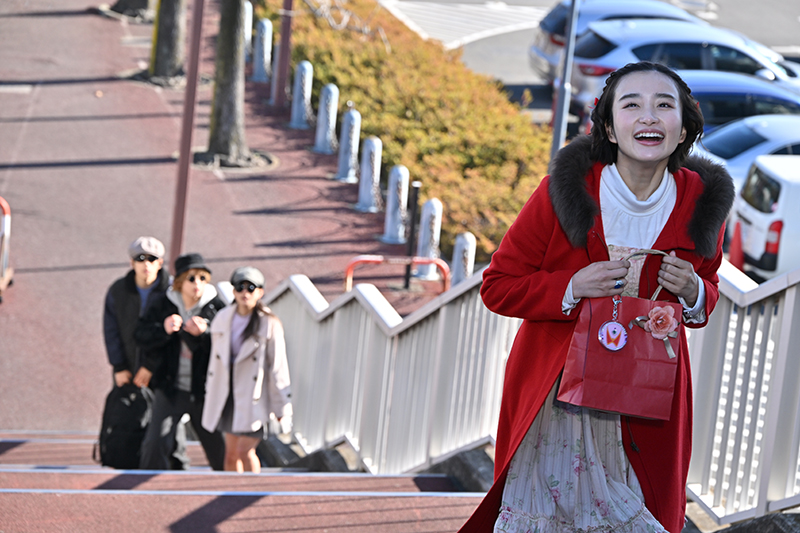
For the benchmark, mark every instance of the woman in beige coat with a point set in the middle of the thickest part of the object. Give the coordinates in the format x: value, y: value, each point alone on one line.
x: 248, y: 375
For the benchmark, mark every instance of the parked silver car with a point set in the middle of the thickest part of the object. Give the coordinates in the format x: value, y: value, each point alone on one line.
x: 609, y: 45
x: 737, y: 144
x: 544, y: 53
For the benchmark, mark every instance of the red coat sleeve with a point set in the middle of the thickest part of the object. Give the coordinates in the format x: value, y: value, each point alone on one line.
x: 532, y: 267
x: 708, y: 273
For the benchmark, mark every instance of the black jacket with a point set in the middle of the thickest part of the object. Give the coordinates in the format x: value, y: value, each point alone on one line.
x: 161, y: 351
x: 121, y: 315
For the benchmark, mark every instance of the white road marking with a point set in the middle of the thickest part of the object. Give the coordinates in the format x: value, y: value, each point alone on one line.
x: 458, y: 24
x: 18, y: 88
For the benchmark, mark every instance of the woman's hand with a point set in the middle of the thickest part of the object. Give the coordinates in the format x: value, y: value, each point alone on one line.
x: 172, y: 324
x: 600, y: 279
x: 196, y: 326
x: 678, y: 277
x: 142, y: 378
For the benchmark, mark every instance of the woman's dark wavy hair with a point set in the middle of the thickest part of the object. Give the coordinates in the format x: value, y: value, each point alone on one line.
x: 604, y: 151
x: 255, y: 319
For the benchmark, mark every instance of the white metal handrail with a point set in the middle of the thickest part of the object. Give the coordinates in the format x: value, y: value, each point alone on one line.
x: 403, y: 392
x: 408, y: 393
x: 745, y: 367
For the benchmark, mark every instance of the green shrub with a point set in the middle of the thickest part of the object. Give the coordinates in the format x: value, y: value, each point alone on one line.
x: 455, y: 130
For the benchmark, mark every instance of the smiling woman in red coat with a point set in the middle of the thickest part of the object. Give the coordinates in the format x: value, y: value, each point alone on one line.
x: 629, y: 186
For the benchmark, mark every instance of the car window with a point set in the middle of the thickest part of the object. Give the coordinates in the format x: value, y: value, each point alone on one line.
x: 761, y: 191
x: 731, y: 60
x: 685, y: 56
x: 719, y: 109
x: 795, y: 149
x: 791, y: 71
x: 646, y: 52
x: 784, y: 150
x: 765, y: 105
x: 591, y: 46
x: 731, y: 141
x: 556, y: 20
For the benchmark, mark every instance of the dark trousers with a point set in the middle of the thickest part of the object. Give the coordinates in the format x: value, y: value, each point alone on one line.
x: 160, y: 447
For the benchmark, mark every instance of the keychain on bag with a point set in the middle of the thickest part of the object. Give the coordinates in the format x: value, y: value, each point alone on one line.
x: 612, y: 334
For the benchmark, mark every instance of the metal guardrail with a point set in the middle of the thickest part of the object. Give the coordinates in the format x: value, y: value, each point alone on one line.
x: 444, y: 269
x: 405, y: 393
x: 745, y: 368
x: 408, y: 393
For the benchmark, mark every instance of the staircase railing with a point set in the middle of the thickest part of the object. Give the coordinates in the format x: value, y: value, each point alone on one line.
x: 408, y: 393
x: 405, y: 393
x: 746, y: 372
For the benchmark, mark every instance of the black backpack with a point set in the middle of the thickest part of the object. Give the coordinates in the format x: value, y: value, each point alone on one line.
x: 125, y: 419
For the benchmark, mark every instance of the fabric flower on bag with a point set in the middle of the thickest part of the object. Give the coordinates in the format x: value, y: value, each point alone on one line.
x: 661, y: 322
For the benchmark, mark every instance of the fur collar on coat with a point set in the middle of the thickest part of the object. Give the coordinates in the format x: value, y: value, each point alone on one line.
x: 576, y: 209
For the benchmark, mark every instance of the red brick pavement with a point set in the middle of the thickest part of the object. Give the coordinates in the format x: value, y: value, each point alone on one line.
x: 87, y: 163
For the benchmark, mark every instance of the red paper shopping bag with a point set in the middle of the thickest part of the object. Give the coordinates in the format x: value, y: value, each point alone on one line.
x: 623, y: 361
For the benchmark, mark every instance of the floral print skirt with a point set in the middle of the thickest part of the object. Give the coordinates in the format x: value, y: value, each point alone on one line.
x: 571, y: 474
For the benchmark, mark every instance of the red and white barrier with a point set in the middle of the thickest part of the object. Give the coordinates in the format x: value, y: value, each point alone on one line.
x: 444, y: 270
x: 6, y: 272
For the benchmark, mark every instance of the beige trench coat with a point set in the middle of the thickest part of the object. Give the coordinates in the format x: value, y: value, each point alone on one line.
x: 260, y: 374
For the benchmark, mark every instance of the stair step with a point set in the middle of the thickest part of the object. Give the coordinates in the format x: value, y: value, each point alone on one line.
x: 65, y: 449
x: 269, y: 482
x: 48, y: 482
x: 134, y: 512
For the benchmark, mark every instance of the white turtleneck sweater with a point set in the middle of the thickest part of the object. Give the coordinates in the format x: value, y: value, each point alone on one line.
x: 630, y: 222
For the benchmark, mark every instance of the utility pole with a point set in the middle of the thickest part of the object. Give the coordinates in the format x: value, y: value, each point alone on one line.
x: 185, y: 157
x: 565, y: 89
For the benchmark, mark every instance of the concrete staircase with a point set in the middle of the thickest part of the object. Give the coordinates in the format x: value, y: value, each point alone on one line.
x: 49, y: 482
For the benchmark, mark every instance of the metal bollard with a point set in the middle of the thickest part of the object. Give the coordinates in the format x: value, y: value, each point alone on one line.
x: 463, y: 257
x: 348, y: 147
x: 369, y: 184
x: 394, y: 225
x: 273, y: 88
x: 413, y: 209
x: 248, y: 31
x: 325, y: 140
x: 301, y: 96
x: 262, y: 61
x: 430, y: 230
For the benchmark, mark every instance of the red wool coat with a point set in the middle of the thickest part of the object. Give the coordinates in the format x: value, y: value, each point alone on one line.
x: 527, y: 278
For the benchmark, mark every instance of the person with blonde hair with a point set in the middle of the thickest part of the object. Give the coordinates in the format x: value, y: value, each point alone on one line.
x: 176, y: 342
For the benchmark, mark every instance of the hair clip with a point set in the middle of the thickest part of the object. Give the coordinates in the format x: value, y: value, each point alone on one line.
x: 595, y: 101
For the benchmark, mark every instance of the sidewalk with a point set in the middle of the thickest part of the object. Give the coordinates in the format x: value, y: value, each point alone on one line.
x: 88, y: 162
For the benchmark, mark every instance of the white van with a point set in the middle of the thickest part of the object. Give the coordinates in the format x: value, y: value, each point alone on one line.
x: 768, y: 211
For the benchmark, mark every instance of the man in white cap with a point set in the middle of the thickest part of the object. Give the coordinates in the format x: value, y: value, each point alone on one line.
x: 126, y: 301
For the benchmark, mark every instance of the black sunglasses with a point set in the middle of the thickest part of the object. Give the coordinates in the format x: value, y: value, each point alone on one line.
x: 141, y: 258
x: 201, y: 277
x: 245, y: 285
